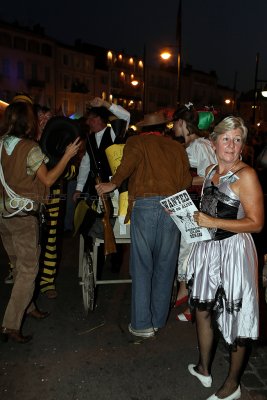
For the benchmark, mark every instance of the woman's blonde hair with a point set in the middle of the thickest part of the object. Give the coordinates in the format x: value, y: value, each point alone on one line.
x: 228, y: 124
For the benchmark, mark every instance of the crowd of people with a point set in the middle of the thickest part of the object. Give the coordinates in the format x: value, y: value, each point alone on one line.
x: 218, y: 277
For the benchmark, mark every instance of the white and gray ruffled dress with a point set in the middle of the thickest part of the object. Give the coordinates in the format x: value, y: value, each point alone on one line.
x: 222, y: 273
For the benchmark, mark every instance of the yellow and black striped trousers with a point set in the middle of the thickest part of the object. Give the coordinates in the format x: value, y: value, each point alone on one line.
x: 51, y: 243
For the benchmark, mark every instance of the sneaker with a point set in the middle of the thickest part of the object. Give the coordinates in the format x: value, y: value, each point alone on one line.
x: 9, y: 279
x: 145, y: 333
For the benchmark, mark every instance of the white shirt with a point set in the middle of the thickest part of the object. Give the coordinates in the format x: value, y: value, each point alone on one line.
x: 201, y: 155
x: 84, y: 168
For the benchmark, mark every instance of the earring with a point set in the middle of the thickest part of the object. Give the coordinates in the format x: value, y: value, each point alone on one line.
x: 240, y: 157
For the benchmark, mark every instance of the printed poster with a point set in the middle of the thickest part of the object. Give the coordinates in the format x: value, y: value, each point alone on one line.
x: 182, y: 210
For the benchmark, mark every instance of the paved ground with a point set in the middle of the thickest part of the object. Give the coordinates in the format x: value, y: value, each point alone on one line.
x: 78, y: 357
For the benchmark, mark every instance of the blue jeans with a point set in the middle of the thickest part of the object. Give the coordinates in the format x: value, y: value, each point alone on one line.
x: 154, y: 251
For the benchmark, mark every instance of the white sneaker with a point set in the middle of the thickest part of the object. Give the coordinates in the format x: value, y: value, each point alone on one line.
x: 145, y: 333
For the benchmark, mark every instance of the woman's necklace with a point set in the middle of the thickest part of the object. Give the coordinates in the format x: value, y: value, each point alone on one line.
x: 229, y: 170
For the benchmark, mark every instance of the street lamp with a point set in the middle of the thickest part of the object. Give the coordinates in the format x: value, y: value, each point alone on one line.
x: 166, y: 55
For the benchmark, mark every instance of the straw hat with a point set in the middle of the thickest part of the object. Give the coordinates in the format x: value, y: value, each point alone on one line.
x: 22, y: 97
x: 153, y: 119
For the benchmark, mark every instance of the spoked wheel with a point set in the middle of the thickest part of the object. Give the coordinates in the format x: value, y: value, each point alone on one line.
x: 87, y: 283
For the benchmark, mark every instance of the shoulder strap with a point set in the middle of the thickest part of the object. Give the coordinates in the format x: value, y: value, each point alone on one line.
x: 240, y: 169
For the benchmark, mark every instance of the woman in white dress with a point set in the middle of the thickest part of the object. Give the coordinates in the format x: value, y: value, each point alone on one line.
x: 222, y: 273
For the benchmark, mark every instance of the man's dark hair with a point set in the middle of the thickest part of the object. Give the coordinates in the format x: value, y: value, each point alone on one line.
x: 101, y: 112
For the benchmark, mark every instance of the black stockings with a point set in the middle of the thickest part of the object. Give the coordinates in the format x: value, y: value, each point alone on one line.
x: 205, y: 337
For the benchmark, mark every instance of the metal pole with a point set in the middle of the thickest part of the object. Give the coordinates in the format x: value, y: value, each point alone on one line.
x: 179, y: 50
x: 255, y: 89
x: 144, y: 81
x: 234, y: 93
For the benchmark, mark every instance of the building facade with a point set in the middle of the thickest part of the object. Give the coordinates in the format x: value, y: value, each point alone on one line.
x: 66, y: 77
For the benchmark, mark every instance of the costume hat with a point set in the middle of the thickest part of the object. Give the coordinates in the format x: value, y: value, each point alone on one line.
x: 205, y: 119
x: 22, y: 97
x: 153, y: 119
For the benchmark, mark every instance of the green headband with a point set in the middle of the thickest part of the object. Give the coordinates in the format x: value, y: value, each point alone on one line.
x: 205, y: 119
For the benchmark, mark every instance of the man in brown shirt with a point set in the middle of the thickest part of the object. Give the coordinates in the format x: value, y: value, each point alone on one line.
x: 157, y: 167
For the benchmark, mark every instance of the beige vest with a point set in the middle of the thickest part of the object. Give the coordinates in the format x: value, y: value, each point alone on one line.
x: 16, y: 177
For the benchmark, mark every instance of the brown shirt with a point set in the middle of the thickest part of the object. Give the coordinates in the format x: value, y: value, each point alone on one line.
x: 155, y: 166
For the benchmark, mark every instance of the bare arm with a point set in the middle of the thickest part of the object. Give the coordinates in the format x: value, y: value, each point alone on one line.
x: 251, y: 197
x: 48, y: 177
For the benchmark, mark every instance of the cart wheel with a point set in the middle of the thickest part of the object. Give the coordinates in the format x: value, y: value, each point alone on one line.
x: 87, y: 283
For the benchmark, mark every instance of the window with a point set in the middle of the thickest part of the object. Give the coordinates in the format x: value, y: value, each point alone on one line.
x: 46, y: 49
x: 20, y: 70
x: 47, y: 74
x: 77, y: 107
x: 66, y: 82
x: 104, y: 80
x: 34, y: 71
x: 19, y: 43
x: 66, y: 107
x: 88, y: 65
x: 33, y: 46
x: 77, y: 62
x: 6, y: 67
x: 5, y: 39
x: 65, y: 59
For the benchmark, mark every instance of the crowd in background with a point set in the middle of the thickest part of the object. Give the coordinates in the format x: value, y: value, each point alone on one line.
x: 159, y: 160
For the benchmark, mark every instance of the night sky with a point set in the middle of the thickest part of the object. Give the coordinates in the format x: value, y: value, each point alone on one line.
x: 220, y: 35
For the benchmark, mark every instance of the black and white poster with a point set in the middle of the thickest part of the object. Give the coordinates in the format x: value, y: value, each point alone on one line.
x: 182, y: 210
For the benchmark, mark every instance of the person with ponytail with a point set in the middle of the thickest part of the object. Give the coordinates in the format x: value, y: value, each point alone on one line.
x: 191, y: 126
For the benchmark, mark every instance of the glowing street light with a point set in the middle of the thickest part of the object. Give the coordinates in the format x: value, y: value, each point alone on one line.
x: 135, y: 82
x: 165, y: 55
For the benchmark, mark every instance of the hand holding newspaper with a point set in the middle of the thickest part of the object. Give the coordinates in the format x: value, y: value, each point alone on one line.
x: 182, y: 210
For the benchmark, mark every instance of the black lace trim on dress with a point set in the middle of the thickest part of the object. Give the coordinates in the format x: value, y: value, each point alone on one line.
x: 215, y: 307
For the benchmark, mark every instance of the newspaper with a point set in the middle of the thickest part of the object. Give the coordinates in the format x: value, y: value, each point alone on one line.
x: 182, y: 209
